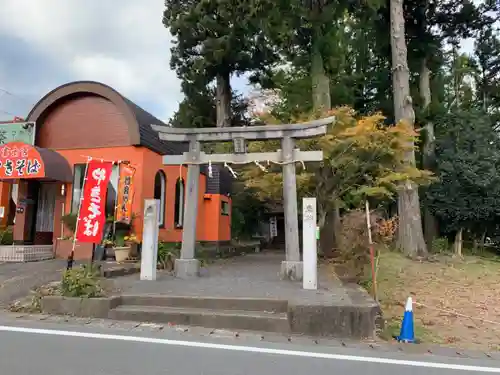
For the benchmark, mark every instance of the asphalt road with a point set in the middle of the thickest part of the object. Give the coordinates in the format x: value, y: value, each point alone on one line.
x: 38, y: 348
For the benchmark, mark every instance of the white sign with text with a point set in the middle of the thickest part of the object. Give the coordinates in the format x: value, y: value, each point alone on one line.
x: 149, y: 252
x: 309, y: 252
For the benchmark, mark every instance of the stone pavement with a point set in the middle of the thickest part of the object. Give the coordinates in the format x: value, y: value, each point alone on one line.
x: 18, y: 279
x: 251, y: 276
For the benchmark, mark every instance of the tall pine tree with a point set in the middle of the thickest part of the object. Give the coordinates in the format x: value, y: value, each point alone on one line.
x: 214, y: 39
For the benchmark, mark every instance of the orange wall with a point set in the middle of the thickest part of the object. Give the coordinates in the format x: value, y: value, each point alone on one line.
x: 222, y: 228
x: 132, y: 154
x: 153, y: 161
x: 225, y: 220
x: 211, y: 225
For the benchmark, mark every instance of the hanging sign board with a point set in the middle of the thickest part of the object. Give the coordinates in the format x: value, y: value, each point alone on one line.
x: 125, y: 194
x: 20, y: 160
x: 273, y: 226
x: 92, y: 215
x: 17, y: 132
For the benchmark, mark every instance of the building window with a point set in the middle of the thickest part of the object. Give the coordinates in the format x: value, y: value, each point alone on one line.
x: 224, y: 208
x: 179, y: 203
x: 112, y: 191
x: 159, y: 193
x: 78, y: 178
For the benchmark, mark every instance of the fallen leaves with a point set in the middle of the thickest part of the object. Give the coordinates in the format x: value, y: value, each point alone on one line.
x: 452, y: 296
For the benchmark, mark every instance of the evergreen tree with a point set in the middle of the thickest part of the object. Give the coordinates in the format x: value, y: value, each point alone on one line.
x: 467, y: 194
x: 214, y: 39
x: 199, y: 109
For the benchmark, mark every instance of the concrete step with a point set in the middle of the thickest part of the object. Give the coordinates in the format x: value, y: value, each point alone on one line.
x: 209, y: 303
x: 221, y: 319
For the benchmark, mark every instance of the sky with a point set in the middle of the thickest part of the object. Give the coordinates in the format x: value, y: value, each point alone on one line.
x: 122, y: 43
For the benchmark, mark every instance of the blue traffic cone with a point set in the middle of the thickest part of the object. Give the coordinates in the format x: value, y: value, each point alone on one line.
x: 407, y: 333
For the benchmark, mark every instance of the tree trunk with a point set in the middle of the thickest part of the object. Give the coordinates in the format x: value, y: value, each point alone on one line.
x: 410, y: 234
x: 456, y: 76
x: 483, y: 239
x: 223, y: 100
x: 337, y: 226
x: 429, y: 147
x: 327, y: 238
x: 320, y: 81
x: 458, y: 243
x: 479, y: 242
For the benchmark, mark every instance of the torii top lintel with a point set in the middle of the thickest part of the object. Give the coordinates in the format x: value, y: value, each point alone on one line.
x: 304, y: 130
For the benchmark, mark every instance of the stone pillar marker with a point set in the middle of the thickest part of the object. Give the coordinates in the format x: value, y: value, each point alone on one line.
x: 292, y: 267
x: 188, y: 266
x: 149, y: 253
x: 309, y: 248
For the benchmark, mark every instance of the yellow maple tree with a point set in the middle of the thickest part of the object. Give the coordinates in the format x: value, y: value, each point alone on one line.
x: 363, y: 157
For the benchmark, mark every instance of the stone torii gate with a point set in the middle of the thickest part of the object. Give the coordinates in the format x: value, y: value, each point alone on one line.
x: 291, y: 268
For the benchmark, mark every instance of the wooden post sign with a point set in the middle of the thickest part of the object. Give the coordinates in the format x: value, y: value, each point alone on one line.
x: 125, y: 194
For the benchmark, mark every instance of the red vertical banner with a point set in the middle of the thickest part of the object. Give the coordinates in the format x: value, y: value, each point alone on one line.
x: 92, y: 212
x: 125, y: 194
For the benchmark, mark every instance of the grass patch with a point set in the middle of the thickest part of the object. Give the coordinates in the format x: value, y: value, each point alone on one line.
x: 422, y: 334
x: 443, y: 289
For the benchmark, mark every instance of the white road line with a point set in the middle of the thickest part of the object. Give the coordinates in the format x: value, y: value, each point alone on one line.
x: 251, y: 349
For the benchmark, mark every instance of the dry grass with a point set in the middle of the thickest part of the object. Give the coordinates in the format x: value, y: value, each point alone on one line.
x: 470, y: 287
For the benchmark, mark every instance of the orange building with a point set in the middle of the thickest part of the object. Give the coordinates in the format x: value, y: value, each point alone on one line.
x: 88, y: 119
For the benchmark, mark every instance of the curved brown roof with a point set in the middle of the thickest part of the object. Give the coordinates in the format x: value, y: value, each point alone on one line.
x: 56, y: 166
x: 138, y: 120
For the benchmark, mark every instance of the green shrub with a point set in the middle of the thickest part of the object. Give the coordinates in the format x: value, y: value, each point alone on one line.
x: 82, y: 282
x: 203, y: 255
x: 120, y: 239
x: 6, y: 237
x: 69, y: 221
x: 168, y: 250
x: 440, y: 245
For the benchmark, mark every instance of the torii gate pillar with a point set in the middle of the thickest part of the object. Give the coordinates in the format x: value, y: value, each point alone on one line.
x: 291, y: 267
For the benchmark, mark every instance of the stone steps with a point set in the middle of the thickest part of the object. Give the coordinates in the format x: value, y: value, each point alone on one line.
x: 214, y: 303
x: 267, y: 315
x: 222, y: 319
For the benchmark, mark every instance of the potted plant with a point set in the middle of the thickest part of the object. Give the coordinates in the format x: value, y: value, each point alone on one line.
x: 132, y: 241
x: 122, y: 251
x: 107, y: 243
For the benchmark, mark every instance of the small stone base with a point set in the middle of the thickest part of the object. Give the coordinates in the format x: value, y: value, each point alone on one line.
x: 291, y: 270
x: 187, y: 268
x: 82, y: 307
